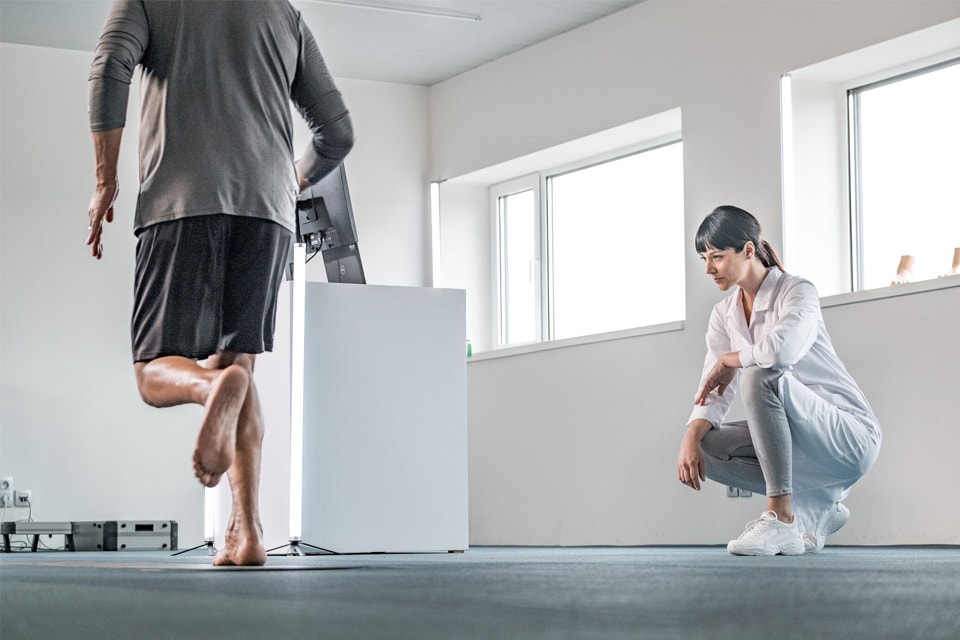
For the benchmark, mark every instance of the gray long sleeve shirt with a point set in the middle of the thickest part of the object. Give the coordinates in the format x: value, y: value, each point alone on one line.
x: 216, y: 131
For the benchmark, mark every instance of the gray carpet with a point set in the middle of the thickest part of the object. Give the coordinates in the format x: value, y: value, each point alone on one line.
x: 523, y: 593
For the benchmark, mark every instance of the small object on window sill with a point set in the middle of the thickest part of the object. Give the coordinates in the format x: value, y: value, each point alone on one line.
x: 904, y: 270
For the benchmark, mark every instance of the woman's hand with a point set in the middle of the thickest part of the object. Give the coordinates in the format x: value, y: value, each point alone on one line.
x: 691, y: 469
x: 690, y: 464
x: 720, y: 377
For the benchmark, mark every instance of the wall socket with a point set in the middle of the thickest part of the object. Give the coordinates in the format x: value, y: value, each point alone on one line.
x: 733, y: 492
x: 21, y: 498
x: 6, y: 491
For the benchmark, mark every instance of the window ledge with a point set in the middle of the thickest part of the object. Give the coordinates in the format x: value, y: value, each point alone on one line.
x: 506, y: 352
x: 893, y: 291
x: 839, y: 300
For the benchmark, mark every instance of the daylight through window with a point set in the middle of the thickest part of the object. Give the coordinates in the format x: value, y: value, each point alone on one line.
x: 905, y: 132
x: 612, y: 239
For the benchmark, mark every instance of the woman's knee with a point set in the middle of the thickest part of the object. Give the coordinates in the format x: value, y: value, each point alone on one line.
x: 727, y: 442
x: 757, y: 380
x: 740, y: 472
x: 713, y: 446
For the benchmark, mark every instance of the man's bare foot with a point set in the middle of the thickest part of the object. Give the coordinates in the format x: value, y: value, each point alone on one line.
x: 243, y: 546
x: 216, y: 442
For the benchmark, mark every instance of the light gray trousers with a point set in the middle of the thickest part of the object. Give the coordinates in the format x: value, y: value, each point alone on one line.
x: 793, y: 442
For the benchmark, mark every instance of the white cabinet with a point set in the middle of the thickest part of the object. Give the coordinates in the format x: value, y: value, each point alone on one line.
x: 385, y: 419
x: 385, y: 422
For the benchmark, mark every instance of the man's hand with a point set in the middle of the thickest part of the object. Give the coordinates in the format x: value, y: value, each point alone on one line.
x: 720, y: 377
x: 100, y: 209
x: 106, y: 151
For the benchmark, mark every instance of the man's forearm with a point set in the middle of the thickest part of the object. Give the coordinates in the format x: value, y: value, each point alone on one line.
x: 106, y: 150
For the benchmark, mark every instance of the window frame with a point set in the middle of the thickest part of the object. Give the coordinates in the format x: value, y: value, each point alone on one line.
x: 854, y: 91
x: 529, y: 182
x: 545, y: 246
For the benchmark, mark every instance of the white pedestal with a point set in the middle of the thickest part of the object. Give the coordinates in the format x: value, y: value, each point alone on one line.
x: 385, y: 428
x: 385, y: 419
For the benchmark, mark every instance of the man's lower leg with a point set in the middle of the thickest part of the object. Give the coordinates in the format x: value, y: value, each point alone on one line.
x: 221, y: 387
x: 244, y: 535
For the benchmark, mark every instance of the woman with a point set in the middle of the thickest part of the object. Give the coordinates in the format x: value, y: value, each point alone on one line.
x: 810, y: 432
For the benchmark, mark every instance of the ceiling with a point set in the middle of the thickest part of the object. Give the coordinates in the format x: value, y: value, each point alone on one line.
x: 418, y: 42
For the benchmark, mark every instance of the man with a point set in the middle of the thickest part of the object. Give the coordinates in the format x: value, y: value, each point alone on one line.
x: 215, y: 208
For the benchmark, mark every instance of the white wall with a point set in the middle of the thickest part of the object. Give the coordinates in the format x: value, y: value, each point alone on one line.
x: 72, y: 426
x: 578, y: 445
x: 465, y: 228
x: 903, y: 352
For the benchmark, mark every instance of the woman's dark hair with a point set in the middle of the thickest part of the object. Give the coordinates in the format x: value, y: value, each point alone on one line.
x: 729, y: 227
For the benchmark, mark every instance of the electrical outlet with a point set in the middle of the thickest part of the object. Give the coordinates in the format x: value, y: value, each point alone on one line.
x: 22, y: 498
x: 6, y: 491
x: 733, y: 492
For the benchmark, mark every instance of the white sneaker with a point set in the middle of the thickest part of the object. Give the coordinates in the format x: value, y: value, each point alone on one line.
x: 767, y: 536
x: 829, y: 523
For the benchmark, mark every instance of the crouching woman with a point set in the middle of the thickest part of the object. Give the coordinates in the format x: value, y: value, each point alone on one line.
x: 810, y: 433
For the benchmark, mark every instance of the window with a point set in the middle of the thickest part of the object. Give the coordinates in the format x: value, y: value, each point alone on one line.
x: 867, y: 171
x: 518, y: 267
x: 904, y: 135
x: 600, y: 251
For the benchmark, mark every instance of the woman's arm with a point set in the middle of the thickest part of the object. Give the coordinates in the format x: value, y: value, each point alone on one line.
x: 714, y: 406
x: 690, y: 463
x: 794, y: 331
x: 691, y: 469
x: 719, y: 378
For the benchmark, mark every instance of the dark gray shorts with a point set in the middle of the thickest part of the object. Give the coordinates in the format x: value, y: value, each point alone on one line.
x: 206, y: 284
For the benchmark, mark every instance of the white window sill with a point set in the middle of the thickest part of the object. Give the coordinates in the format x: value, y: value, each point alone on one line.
x: 910, y: 288
x: 506, y: 352
x: 893, y: 291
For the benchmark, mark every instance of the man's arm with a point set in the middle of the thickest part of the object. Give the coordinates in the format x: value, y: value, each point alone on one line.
x: 122, y: 43
x: 106, y: 149
x: 320, y: 103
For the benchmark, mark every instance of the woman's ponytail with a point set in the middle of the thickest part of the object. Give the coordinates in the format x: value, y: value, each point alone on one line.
x: 768, y: 256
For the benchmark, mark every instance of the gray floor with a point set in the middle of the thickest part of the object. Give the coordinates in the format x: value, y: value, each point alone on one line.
x: 524, y: 593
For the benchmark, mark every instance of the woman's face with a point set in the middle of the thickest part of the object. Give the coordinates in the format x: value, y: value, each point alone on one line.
x: 726, y: 266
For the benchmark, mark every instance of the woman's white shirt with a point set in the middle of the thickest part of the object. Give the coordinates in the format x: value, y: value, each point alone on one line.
x: 786, y: 333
